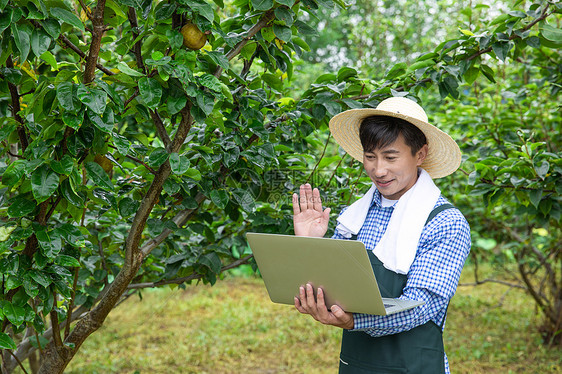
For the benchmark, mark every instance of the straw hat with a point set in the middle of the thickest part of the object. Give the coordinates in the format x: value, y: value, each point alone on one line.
x: 444, y: 155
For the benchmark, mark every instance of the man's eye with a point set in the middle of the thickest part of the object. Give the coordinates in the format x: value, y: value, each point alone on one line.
x: 391, y: 158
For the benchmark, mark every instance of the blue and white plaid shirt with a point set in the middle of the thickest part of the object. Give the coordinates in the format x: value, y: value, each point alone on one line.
x: 433, y: 277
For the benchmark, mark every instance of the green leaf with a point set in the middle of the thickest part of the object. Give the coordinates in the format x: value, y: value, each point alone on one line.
x: 123, y: 145
x: 64, y: 166
x: 288, y: 3
x: 219, y: 198
x: 150, y: 92
x: 52, y: 27
x: 15, y: 314
x: 68, y: 17
x: 268, y: 34
x: 6, y: 342
x: 262, y: 4
x: 212, y: 261
x: 204, y: 9
x: 98, y: 175
x: 396, y: 70
x: 65, y: 96
x: 99, y: 122
x: 179, y: 164
x: 287, y: 16
x: 5, y: 19
x: 44, y: 183
x: 176, y: 102
x: 282, y: 32
x: 450, y: 85
x: 124, y: 68
x: 40, y: 278
x: 71, y: 235
x: 14, y: 172
x: 70, y: 195
x: 40, y: 41
x: 193, y: 174
x: 535, y: 197
x: 128, y: 207
x: 22, y: 40
x: 219, y: 59
x: 488, y: 73
x: 205, y: 102
x: 50, y: 242
x: 67, y: 261
x: 20, y: 207
x: 551, y: 33
x: 93, y: 98
x: 73, y: 120
x: 7, y: 129
x: 305, y: 29
x: 542, y: 170
x: 301, y: 43
x: 501, y: 49
x: 244, y: 199
x: 210, y: 81
x: 273, y: 81
x: 471, y: 74
x: 157, y: 157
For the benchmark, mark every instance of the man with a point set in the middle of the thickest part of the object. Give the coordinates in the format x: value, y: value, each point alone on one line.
x: 417, y: 241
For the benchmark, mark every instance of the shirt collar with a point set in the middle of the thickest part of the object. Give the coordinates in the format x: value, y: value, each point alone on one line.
x: 377, y: 201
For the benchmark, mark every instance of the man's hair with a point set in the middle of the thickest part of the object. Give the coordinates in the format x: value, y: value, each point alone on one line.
x: 378, y: 132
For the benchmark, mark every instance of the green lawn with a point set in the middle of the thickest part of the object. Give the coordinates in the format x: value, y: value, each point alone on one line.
x: 234, y: 328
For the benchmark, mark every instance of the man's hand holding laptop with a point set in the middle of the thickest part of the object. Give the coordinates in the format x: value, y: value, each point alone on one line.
x: 311, y: 220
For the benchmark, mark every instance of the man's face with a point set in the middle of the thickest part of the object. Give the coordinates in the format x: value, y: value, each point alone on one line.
x: 393, y: 169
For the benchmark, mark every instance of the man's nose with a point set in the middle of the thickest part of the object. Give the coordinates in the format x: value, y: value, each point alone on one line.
x: 379, y: 169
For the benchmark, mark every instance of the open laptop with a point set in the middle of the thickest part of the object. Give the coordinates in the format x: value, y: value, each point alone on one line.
x: 340, y: 267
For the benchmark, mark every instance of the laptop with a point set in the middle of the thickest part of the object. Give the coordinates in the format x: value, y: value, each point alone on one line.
x: 340, y: 267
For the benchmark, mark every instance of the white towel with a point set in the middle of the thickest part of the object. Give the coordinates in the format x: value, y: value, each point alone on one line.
x: 351, y: 220
x: 397, y: 247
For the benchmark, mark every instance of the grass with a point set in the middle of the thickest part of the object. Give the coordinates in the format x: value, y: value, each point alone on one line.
x: 234, y: 328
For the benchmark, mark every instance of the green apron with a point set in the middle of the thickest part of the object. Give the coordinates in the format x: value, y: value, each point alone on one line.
x: 417, y: 351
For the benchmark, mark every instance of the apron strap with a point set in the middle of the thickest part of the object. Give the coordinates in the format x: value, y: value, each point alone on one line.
x: 438, y: 210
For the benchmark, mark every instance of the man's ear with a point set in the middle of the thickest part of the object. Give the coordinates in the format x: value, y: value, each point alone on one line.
x: 422, y: 154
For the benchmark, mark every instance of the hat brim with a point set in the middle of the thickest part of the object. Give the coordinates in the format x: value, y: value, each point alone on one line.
x: 444, y: 154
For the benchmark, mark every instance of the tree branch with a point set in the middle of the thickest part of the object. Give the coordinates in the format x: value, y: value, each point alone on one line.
x: 132, y: 15
x: 79, y: 52
x: 86, y: 9
x: 71, y: 303
x: 162, y: 133
x: 266, y: 18
x: 191, y: 277
x: 543, y: 16
x: 19, y: 362
x: 55, y: 324
x: 16, y: 108
x: 95, y: 44
x: 111, y: 295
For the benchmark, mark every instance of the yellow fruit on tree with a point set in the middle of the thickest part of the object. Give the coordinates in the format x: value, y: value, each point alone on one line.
x: 193, y: 38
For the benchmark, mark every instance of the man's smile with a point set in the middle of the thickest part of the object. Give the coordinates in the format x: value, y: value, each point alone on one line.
x: 383, y: 183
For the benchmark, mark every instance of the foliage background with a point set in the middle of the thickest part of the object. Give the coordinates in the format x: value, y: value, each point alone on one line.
x: 131, y: 162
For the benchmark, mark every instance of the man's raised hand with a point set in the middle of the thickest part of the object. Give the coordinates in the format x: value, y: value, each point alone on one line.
x: 308, y: 216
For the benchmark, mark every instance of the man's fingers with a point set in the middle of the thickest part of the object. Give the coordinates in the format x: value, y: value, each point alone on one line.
x: 296, y: 207
x: 323, y: 312
x: 299, y: 306
x: 309, y: 198
x: 310, y: 299
x: 316, y: 200
x: 303, y: 199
